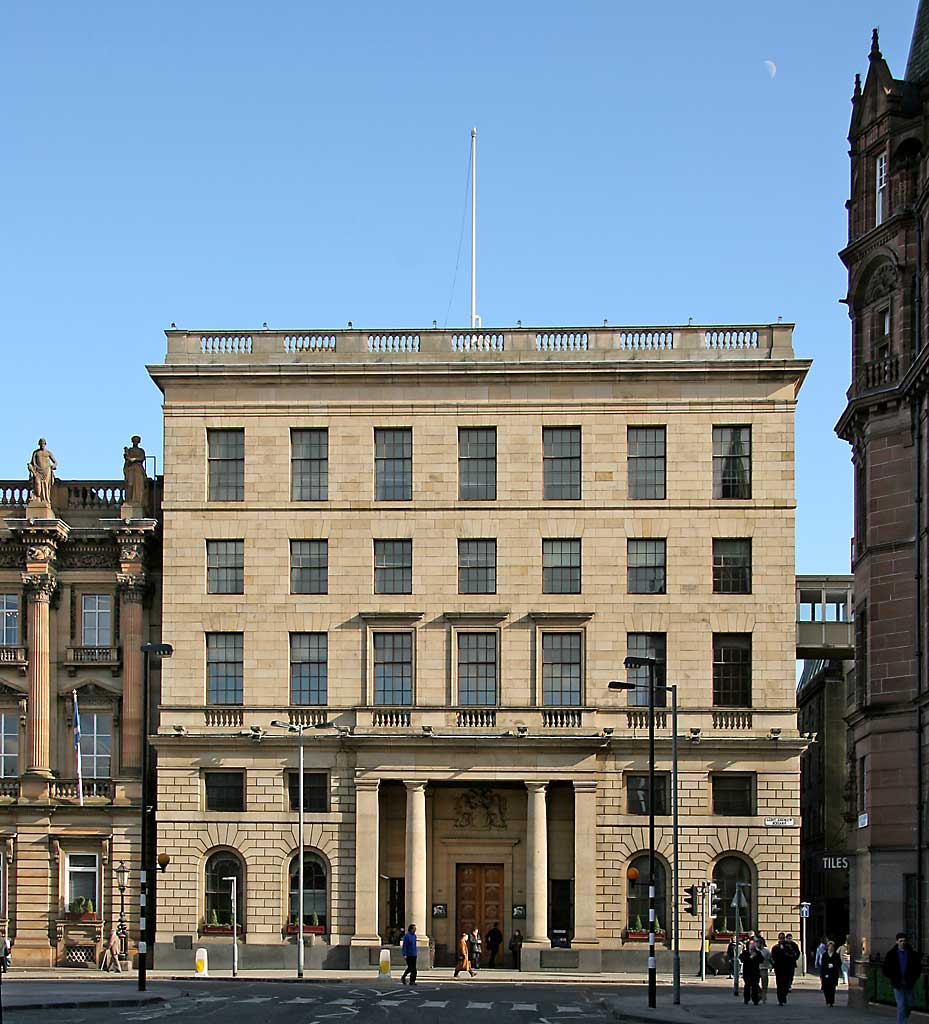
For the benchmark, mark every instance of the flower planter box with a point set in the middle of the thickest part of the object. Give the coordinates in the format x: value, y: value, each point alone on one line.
x: 308, y: 929
x: 69, y: 916
x: 643, y: 936
x: 220, y: 929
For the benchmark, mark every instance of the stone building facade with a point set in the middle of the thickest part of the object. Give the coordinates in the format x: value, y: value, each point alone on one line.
x: 79, y: 594
x: 885, y: 424
x: 433, y: 551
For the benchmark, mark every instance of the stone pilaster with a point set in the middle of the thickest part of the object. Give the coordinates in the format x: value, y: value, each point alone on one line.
x: 585, y: 875
x: 416, y: 859
x: 367, y: 829
x: 536, y: 868
x: 133, y: 589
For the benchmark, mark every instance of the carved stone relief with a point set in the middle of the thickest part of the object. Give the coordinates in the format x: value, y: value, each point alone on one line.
x: 87, y: 556
x: 11, y: 555
x: 480, y: 807
x: 883, y: 282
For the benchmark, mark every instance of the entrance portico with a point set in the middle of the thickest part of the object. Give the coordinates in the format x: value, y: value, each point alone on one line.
x: 473, y: 848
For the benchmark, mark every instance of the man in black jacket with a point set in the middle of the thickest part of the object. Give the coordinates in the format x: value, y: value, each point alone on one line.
x: 902, y: 968
x: 785, y: 963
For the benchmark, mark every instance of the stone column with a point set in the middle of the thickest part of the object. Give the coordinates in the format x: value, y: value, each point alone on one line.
x: 415, y: 880
x: 537, y: 866
x: 585, y: 874
x: 39, y: 590
x: 367, y: 840
x: 133, y: 588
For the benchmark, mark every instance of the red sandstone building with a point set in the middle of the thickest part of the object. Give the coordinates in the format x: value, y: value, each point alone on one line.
x: 885, y: 423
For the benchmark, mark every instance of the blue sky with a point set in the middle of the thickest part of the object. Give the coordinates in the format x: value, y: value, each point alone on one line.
x: 225, y: 164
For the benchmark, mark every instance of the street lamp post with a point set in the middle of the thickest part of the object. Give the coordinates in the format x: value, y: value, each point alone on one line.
x: 298, y: 729
x: 147, y: 853
x: 122, y: 880
x: 652, y: 663
x: 235, y: 937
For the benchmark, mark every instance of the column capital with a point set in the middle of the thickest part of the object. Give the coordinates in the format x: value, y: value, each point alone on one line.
x: 369, y: 785
x: 415, y: 785
x: 40, y: 586
x: 134, y: 587
x: 537, y: 787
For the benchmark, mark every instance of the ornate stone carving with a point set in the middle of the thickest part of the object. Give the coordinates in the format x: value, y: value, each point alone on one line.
x: 10, y: 693
x: 131, y: 548
x: 11, y: 555
x: 480, y: 807
x: 41, y: 471
x: 42, y: 551
x: 87, y: 556
x: 40, y: 586
x: 883, y: 282
x: 134, y: 587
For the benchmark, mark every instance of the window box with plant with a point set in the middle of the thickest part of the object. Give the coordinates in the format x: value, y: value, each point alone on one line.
x: 81, y: 909
x: 638, y: 932
x: 313, y: 928
x: 212, y: 925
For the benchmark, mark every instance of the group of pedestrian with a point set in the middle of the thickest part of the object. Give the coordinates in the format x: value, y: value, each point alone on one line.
x: 757, y: 961
x: 470, y: 950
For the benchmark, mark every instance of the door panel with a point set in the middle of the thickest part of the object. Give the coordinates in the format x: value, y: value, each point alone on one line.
x: 479, y: 897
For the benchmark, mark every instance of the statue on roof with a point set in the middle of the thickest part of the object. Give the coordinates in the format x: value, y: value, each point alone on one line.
x: 41, y: 470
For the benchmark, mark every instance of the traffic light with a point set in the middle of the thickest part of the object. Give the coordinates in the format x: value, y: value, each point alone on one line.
x: 690, y: 899
x: 715, y: 906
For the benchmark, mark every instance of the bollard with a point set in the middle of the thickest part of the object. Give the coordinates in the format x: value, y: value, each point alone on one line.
x: 383, y: 968
x: 202, y: 964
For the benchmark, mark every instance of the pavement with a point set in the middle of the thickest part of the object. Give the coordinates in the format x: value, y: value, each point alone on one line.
x: 702, y: 1002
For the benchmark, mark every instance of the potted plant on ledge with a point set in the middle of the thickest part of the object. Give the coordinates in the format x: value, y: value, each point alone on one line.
x: 213, y: 926
x: 637, y: 932
x: 81, y: 909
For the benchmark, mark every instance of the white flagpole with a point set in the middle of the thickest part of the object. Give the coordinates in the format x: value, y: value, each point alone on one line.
x: 77, y: 748
x: 474, y: 318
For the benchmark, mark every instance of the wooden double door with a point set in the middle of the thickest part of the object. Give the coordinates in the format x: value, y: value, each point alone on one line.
x: 478, y: 898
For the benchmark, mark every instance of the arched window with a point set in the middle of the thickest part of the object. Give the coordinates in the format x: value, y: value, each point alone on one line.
x: 218, y: 892
x: 315, y: 896
x: 637, y: 901
x: 733, y: 877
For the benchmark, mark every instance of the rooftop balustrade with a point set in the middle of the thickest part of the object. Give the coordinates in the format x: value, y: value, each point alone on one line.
x: 563, y: 344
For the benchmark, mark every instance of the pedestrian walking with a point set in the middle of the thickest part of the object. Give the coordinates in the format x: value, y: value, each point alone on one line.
x: 110, y: 959
x: 785, y: 963
x: 6, y: 954
x: 475, y: 948
x: 766, y: 965
x: 516, y: 948
x: 846, y: 956
x: 464, y: 960
x: 901, y: 967
x: 730, y: 956
x: 494, y: 942
x: 751, y: 972
x: 795, y: 949
x: 408, y: 949
x: 830, y: 970
x: 820, y: 951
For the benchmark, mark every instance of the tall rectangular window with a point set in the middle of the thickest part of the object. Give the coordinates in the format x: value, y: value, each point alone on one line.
x: 561, y: 458
x: 393, y: 668
x: 477, y: 463
x: 732, y: 670
x: 637, y: 793
x: 732, y: 566
x: 315, y: 791
x: 9, y: 620
x: 647, y: 645
x: 561, y: 669
x: 309, y: 464
x: 561, y: 566
x: 96, y: 620
x: 880, y: 189
x: 309, y: 668
x: 225, y: 566
x: 393, y: 464
x: 645, y: 566
x: 732, y: 462
x: 646, y: 463
x: 224, y: 791
x: 393, y: 567
x: 226, y: 457
x: 477, y: 567
x: 9, y: 744
x: 83, y: 874
x: 477, y: 668
x: 96, y: 744
x: 224, y: 668
x: 309, y: 567
x: 733, y: 793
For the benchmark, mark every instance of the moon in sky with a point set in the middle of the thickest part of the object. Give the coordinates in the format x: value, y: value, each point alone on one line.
x: 772, y: 67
